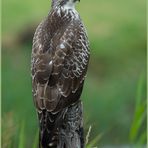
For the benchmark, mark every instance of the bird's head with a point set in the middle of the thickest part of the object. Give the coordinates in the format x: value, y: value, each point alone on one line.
x: 66, y: 3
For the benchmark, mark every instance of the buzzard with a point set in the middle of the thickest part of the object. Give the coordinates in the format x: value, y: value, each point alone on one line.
x: 59, y: 61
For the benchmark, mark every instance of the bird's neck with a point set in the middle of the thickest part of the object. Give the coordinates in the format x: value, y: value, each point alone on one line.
x: 66, y: 5
x: 60, y: 17
x: 69, y: 5
x: 53, y: 3
x: 64, y: 13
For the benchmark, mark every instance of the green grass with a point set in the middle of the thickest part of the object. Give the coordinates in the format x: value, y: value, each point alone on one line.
x: 117, y: 33
x: 138, y: 133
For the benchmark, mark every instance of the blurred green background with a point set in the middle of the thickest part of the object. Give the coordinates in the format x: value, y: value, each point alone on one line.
x: 114, y: 95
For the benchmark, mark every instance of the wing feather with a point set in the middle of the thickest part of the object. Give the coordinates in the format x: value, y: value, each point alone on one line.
x: 75, y: 59
x: 62, y: 71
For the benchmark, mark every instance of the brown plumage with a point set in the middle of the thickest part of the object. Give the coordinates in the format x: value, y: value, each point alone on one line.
x: 60, y: 57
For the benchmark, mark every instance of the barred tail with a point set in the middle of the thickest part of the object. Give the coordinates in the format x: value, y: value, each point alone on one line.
x: 71, y: 131
x: 62, y: 130
x: 48, y: 135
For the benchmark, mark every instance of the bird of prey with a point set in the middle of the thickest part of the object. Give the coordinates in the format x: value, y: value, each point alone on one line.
x: 59, y: 61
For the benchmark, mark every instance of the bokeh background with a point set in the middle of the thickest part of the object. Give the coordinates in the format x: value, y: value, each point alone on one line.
x: 114, y: 94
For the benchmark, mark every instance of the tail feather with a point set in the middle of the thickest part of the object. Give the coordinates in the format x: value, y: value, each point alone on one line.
x: 47, y: 135
x: 71, y: 131
x: 63, y: 129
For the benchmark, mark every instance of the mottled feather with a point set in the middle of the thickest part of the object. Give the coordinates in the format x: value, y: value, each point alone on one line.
x: 60, y: 56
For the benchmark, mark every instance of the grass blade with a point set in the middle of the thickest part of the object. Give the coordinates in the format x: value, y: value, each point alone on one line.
x: 94, y: 141
x: 22, y: 136
x: 140, y: 114
x: 36, y: 139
